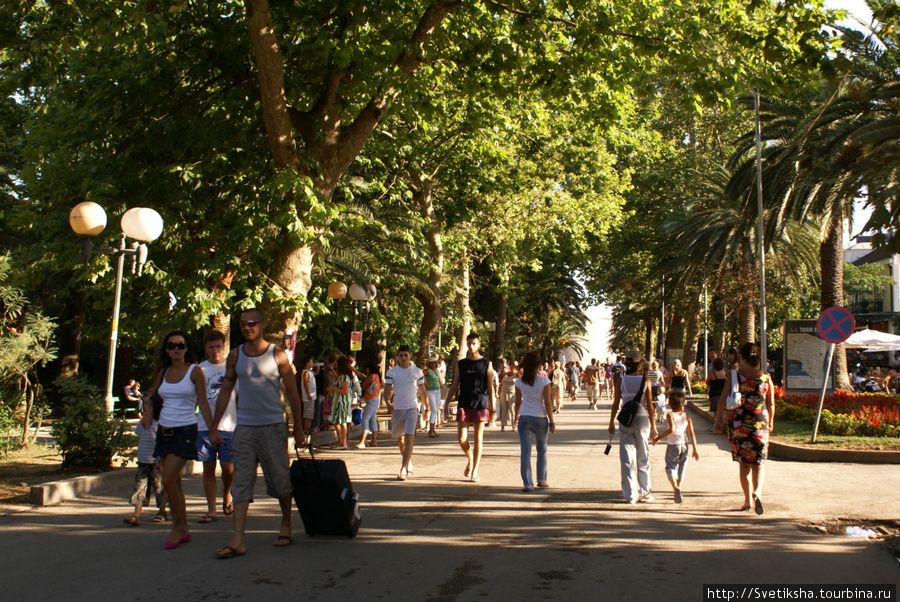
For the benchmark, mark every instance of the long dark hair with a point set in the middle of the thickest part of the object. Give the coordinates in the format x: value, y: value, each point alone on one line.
x: 163, y: 360
x: 374, y: 367
x: 531, y: 365
x: 750, y: 354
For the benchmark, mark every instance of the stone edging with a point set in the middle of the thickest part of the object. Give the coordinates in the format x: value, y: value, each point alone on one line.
x: 798, y: 453
x: 56, y: 492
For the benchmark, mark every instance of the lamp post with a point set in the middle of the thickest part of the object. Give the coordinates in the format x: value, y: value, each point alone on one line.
x: 140, y: 223
x: 362, y: 296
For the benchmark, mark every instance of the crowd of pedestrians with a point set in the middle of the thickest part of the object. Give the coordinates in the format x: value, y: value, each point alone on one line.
x: 229, y: 410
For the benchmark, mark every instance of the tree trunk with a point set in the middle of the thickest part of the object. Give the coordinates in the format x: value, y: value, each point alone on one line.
x: 674, y: 329
x: 221, y: 322
x: 649, y: 333
x: 692, y: 334
x: 331, y: 140
x: 422, y: 187
x: 462, y: 304
x: 747, y: 310
x: 500, y: 320
x: 831, y: 259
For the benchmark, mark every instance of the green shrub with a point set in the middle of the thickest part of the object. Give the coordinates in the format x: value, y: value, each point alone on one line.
x: 87, y: 436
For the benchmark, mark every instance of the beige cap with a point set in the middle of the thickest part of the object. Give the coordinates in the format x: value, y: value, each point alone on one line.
x: 634, y: 355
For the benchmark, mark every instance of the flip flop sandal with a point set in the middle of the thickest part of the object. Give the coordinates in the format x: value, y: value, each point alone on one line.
x: 757, y: 505
x: 133, y: 521
x: 228, y: 552
x: 228, y: 510
x: 283, y: 540
x: 207, y: 518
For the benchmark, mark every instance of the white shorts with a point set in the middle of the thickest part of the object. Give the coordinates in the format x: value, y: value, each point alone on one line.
x: 404, y: 422
x: 593, y: 390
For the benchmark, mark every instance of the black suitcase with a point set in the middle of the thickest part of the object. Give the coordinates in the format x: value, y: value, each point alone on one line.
x: 325, y: 497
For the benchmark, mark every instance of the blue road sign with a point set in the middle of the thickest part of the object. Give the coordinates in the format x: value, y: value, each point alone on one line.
x: 835, y: 325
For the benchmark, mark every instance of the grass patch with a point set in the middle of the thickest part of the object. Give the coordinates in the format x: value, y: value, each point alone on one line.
x: 800, y: 434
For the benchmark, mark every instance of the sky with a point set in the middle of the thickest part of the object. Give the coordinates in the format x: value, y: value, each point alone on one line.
x: 856, y: 8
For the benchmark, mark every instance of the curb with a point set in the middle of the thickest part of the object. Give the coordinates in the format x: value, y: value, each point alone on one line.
x: 57, y: 492
x: 799, y: 453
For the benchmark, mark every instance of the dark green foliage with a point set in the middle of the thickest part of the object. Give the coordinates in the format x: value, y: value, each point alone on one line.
x: 87, y: 436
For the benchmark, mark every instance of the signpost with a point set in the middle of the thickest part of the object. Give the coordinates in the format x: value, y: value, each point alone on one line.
x: 356, y: 340
x: 835, y: 325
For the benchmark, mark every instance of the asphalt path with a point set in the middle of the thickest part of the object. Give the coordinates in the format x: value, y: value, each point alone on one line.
x: 439, y: 537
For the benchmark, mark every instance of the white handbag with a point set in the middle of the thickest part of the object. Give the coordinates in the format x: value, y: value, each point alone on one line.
x: 733, y: 401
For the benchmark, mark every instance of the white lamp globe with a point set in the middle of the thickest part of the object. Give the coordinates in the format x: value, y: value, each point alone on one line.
x: 87, y: 219
x: 358, y: 293
x: 141, y: 223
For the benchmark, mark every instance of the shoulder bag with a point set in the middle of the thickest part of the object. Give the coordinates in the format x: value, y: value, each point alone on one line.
x: 630, y: 408
x: 733, y: 401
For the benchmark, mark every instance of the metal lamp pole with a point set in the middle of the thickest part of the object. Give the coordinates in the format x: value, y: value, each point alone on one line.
x: 764, y: 365
x: 89, y: 219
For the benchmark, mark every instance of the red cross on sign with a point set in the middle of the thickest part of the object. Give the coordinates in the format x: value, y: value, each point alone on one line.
x: 835, y: 325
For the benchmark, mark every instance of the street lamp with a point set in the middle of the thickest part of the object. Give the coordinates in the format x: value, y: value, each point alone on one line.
x: 144, y: 225
x: 362, y: 296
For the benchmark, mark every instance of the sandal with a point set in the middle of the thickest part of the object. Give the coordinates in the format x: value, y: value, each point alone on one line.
x: 208, y: 518
x: 132, y: 520
x: 228, y: 552
x: 161, y: 517
x: 228, y: 510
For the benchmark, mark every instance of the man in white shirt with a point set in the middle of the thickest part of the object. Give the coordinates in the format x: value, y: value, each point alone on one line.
x: 404, y: 387
x: 214, y: 371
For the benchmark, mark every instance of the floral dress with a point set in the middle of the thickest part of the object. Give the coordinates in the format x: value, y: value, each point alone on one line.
x: 340, y: 404
x: 748, y: 425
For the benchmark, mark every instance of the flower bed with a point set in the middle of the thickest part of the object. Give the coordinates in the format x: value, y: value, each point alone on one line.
x: 844, y: 412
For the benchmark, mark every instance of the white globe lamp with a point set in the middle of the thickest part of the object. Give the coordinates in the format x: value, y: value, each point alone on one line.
x: 87, y: 219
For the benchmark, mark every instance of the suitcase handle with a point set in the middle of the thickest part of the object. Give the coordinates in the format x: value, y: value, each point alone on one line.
x: 314, y: 463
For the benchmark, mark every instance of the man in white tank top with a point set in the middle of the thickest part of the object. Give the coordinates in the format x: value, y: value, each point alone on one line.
x: 260, y: 437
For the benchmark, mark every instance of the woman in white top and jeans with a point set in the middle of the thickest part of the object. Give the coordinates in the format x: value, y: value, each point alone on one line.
x: 634, y: 440
x: 533, y: 418
x: 182, y: 387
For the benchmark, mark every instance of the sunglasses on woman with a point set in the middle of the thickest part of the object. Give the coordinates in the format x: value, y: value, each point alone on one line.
x: 181, y: 345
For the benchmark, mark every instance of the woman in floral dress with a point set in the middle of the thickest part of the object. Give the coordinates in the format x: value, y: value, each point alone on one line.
x: 749, y: 425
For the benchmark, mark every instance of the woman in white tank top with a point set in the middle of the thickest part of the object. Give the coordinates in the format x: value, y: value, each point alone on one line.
x: 182, y: 387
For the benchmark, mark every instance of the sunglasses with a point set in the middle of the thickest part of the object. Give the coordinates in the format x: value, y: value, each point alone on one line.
x: 181, y: 345
x: 250, y: 323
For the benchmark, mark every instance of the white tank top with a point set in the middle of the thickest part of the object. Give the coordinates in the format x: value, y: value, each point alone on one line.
x: 631, y: 383
x: 679, y: 426
x: 179, y: 401
x: 311, y: 383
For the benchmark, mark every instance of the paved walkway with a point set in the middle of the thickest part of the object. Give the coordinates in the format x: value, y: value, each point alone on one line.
x: 437, y: 537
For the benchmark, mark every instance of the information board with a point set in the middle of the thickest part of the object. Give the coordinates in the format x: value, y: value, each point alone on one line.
x: 805, y: 357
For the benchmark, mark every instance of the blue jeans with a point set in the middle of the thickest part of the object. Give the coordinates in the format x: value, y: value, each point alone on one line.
x: 369, y: 417
x: 533, y: 427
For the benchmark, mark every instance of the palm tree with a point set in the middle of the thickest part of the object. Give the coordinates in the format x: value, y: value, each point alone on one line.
x: 827, y: 148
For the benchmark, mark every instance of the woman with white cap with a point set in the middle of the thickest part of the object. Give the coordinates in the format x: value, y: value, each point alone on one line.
x: 634, y: 440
